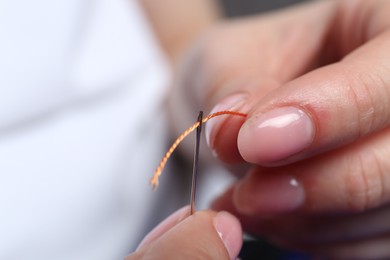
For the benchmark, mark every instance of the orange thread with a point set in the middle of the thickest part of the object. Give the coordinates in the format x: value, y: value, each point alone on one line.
x: 160, y: 168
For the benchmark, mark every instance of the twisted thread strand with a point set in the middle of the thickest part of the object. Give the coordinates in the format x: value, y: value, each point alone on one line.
x: 160, y: 168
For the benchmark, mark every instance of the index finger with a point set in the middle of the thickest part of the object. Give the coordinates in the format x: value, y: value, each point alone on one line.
x: 328, y: 107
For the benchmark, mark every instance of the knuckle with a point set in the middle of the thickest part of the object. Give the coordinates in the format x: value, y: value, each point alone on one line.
x: 363, y: 105
x: 364, y: 182
x: 370, y: 97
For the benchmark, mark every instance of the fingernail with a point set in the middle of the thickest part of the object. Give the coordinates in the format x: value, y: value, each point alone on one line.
x: 229, y: 230
x: 232, y: 102
x: 275, y: 135
x: 164, y: 226
x: 269, y: 194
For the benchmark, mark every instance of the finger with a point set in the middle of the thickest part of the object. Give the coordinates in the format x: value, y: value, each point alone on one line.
x: 327, y: 108
x: 332, y: 235
x: 224, y: 147
x: 375, y: 248
x: 164, y: 226
x: 312, y: 103
x: 204, y: 235
x: 339, y: 197
x: 320, y: 231
x: 251, y: 65
x: 317, y: 230
x: 241, y: 56
x: 352, y: 179
x: 371, y: 248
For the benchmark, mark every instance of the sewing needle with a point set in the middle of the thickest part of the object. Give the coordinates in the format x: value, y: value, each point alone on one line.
x: 196, y: 161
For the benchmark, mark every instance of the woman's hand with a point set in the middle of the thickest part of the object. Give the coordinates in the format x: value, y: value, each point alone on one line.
x: 204, y: 235
x: 315, y: 82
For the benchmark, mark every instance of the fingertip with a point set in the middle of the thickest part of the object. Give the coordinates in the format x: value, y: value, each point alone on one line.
x: 203, y: 235
x: 220, y: 130
x: 229, y: 230
x: 267, y: 138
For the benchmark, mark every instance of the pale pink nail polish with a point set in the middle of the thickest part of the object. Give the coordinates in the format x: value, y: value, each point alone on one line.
x: 275, y: 135
x: 232, y: 102
x: 229, y: 230
x: 269, y: 194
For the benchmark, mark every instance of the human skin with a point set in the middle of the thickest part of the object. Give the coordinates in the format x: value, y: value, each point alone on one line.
x: 315, y: 83
x: 203, y: 235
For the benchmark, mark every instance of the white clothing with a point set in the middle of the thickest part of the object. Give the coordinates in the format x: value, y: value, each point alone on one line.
x: 81, y: 127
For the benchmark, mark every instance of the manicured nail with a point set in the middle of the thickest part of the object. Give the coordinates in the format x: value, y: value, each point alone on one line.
x: 275, y: 135
x: 233, y: 102
x: 268, y: 194
x: 164, y: 226
x: 229, y: 230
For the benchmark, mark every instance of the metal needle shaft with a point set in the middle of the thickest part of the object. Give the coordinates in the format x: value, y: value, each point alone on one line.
x: 196, y: 162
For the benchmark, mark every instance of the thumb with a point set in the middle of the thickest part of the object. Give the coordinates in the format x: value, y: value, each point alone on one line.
x: 322, y: 110
x: 204, y: 235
